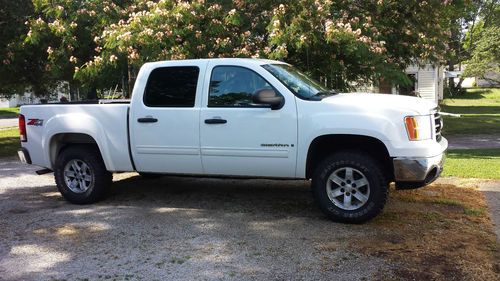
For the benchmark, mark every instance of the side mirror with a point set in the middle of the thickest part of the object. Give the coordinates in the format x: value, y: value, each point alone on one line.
x: 269, y: 97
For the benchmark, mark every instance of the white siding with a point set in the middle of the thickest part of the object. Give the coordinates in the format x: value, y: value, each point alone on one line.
x: 4, y: 103
x: 426, y: 85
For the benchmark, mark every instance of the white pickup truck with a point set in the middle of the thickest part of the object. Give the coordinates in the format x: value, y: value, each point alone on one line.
x: 241, y: 118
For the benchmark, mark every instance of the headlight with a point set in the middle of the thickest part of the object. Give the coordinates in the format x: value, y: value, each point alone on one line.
x: 418, y: 127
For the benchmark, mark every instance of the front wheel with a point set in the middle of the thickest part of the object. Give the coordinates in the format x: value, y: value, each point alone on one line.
x: 81, y: 175
x: 350, y: 187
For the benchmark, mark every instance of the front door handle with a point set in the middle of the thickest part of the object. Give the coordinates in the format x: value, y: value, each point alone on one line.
x: 215, y: 121
x: 147, y: 120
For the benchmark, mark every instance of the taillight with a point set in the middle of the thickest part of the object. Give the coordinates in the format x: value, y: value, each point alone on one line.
x: 22, y: 128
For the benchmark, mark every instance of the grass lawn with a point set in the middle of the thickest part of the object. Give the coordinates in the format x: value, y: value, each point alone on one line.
x: 9, y: 142
x: 9, y: 112
x: 480, y: 110
x: 473, y: 163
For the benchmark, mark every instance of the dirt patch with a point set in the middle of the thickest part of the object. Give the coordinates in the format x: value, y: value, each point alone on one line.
x: 438, y: 233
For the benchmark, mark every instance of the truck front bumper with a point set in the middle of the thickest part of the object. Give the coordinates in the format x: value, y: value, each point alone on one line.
x: 417, y: 172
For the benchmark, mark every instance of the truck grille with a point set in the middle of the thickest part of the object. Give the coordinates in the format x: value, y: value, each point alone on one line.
x: 438, y: 125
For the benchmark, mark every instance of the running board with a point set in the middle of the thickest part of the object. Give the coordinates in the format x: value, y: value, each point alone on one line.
x: 43, y: 171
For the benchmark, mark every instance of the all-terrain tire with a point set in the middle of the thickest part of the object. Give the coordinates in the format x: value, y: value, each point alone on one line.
x: 92, y: 176
x: 365, y: 170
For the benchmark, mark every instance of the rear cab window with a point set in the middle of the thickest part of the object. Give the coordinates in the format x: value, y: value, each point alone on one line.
x: 173, y: 86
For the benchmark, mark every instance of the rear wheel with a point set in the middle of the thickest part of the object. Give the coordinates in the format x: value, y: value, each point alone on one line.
x: 81, y: 175
x: 350, y: 187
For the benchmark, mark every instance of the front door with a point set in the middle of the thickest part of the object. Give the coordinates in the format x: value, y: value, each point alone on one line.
x: 241, y: 138
x: 164, y: 125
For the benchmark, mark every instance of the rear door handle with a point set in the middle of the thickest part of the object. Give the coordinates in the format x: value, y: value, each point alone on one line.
x: 215, y: 121
x: 147, y: 120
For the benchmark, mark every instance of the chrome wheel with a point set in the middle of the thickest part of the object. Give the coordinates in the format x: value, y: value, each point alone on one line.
x: 78, y: 176
x: 348, y: 188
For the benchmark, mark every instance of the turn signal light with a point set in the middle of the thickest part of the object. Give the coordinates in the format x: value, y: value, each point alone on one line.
x: 411, y: 127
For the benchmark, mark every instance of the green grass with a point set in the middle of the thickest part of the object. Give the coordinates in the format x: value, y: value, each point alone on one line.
x: 9, y: 142
x: 480, y: 110
x: 9, y: 112
x: 473, y: 163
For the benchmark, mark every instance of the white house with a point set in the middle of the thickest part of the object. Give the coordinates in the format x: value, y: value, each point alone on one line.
x: 29, y: 98
x: 427, y: 82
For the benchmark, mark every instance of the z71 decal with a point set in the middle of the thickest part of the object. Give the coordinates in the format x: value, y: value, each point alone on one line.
x: 35, y: 122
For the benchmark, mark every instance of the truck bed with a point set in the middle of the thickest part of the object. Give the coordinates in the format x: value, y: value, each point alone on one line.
x: 104, y: 121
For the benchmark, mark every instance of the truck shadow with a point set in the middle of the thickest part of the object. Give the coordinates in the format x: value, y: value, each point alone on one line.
x: 258, y: 196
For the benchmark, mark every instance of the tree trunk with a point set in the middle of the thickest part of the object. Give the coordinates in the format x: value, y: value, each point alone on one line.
x: 72, y: 91
x: 132, y: 75
x: 451, y: 82
x: 92, y: 94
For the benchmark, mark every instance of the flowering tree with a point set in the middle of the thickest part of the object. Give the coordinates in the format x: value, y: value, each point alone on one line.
x: 97, y: 43
x: 170, y: 30
x: 66, y: 30
x: 339, y: 41
x: 353, y: 41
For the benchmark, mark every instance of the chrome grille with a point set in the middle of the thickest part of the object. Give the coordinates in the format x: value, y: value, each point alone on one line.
x: 438, y: 125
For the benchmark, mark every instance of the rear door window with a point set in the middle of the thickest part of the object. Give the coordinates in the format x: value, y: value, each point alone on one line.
x: 172, y: 87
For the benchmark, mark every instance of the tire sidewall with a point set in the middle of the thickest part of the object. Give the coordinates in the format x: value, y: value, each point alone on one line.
x: 88, y: 156
x: 378, y: 188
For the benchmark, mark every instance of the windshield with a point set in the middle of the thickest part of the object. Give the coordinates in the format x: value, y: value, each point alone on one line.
x: 297, y: 82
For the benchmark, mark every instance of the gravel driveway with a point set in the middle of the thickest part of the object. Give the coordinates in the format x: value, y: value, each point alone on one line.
x: 174, y: 228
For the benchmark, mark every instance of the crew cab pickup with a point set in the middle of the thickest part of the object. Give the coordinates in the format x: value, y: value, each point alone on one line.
x: 244, y: 118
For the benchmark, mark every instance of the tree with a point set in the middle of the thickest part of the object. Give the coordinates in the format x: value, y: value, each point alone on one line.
x: 351, y: 41
x: 96, y: 44
x: 169, y: 30
x: 69, y: 32
x: 485, y: 50
x: 13, y: 14
x: 340, y: 42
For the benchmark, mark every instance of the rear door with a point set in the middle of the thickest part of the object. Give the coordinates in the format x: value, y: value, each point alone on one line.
x: 239, y: 137
x: 164, y: 121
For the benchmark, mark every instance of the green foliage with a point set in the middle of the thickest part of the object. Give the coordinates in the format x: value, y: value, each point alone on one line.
x: 97, y: 44
x: 482, y: 42
x: 486, y: 55
x: 13, y: 58
x: 337, y: 41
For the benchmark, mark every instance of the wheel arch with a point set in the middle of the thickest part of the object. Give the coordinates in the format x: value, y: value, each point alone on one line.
x: 58, y: 142
x: 325, y: 145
